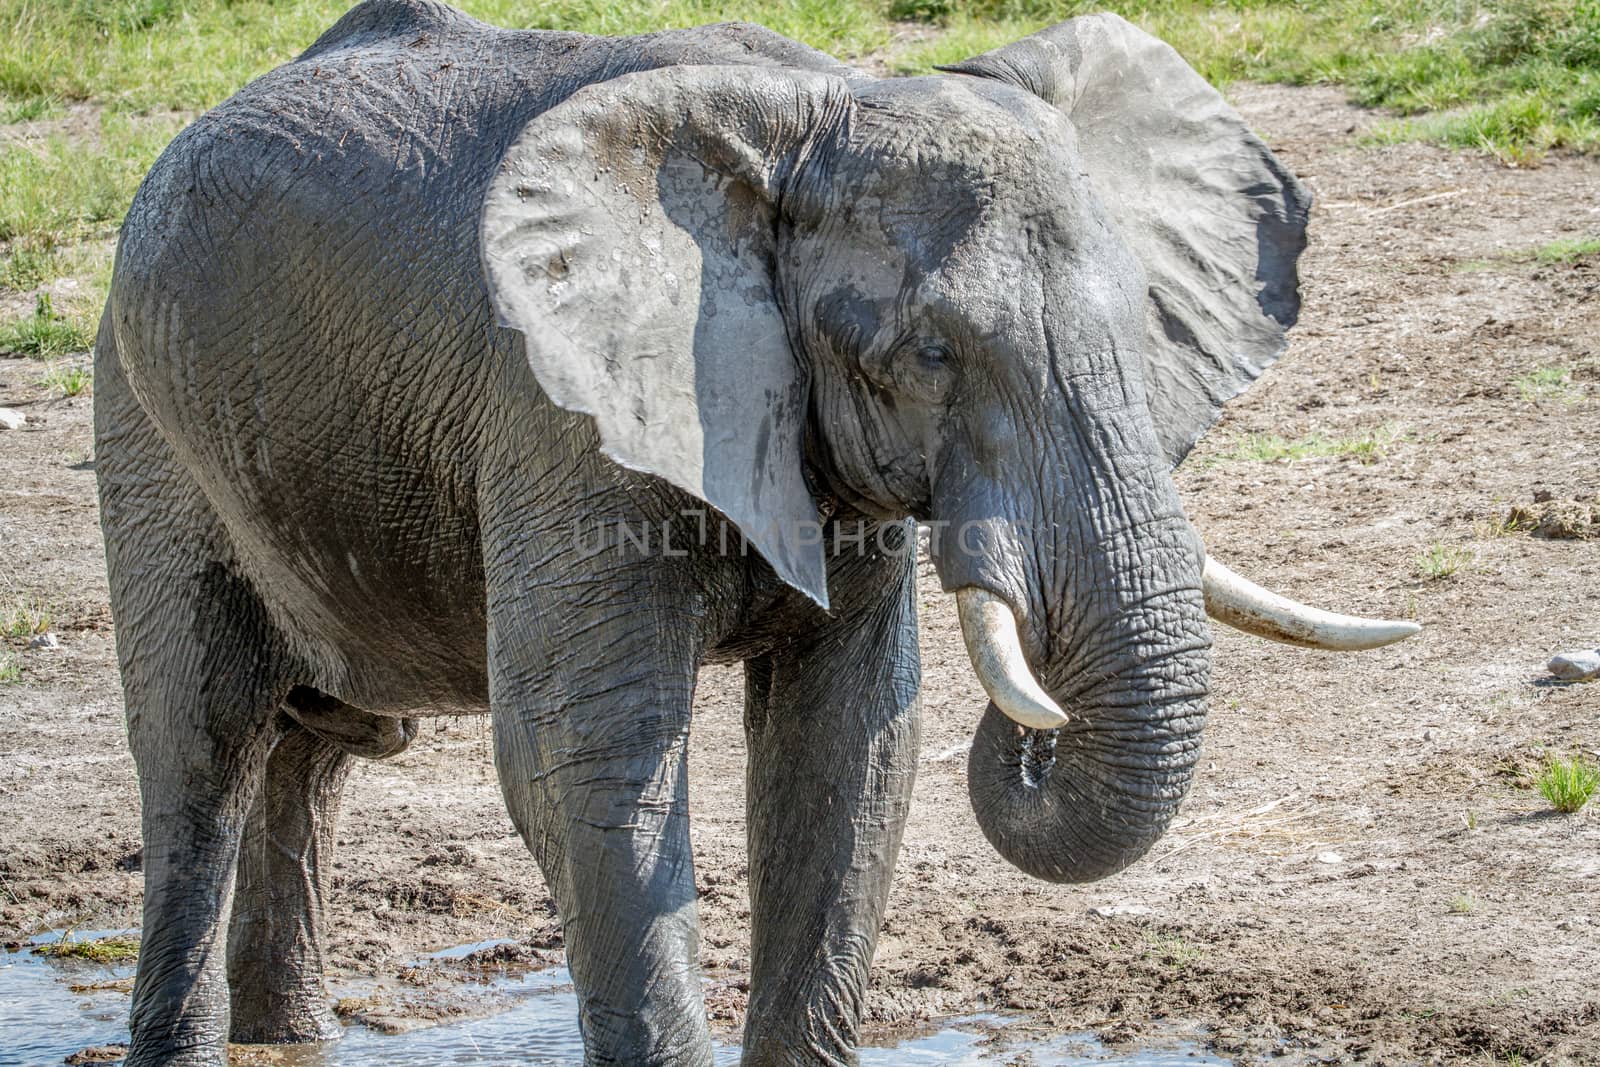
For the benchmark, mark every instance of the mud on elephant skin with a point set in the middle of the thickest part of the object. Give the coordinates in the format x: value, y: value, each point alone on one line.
x: 392, y: 329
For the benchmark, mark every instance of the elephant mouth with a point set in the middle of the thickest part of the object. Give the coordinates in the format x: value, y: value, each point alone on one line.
x: 989, y: 627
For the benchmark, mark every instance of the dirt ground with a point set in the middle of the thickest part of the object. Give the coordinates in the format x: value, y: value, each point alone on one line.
x: 1361, y: 873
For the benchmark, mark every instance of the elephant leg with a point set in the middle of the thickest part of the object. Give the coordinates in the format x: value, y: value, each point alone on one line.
x: 833, y: 733
x: 202, y: 678
x: 200, y: 704
x: 591, y: 744
x: 275, y: 938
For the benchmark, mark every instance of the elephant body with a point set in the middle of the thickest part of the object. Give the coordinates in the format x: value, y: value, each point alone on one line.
x: 352, y: 180
x: 396, y: 331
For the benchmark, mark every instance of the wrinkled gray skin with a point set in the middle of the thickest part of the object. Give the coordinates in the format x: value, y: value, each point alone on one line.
x: 393, y: 328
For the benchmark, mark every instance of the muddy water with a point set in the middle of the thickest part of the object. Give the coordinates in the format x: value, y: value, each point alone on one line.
x: 50, y: 1009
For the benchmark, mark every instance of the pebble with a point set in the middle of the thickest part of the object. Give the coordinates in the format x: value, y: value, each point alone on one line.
x: 1576, y: 666
x: 45, y: 640
x: 12, y: 419
x: 1112, y: 911
x: 1329, y: 857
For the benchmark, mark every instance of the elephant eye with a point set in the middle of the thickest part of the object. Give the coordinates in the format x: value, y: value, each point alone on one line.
x: 933, y: 357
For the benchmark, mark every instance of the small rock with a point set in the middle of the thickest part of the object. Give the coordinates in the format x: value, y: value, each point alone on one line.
x: 1558, y: 519
x: 98, y: 1054
x: 1576, y: 666
x: 45, y: 640
x: 1329, y: 857
x: 11, y: 419
x: 1113, y: 911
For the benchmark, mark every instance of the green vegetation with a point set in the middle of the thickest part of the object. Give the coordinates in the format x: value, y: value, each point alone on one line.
x: 1568, y: 250
x: 45, y: 333
x: 91, y: 90
x: 71, y: 380
x: 114, y: 948
x: 1441, y: 561
x: 1463, y: 904
x: 1568, y: 784
x: 24, y: 620
x: 1548, y: 383
x: 1515, y: 78
x: 1367, y: 447
x: 153, y: 55
x: 1498, y: 525
x: 1559, y: 253
x: 10, y: 669
x: 1172, y: 950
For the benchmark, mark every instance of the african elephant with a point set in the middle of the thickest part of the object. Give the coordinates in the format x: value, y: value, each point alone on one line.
x: 391, y: 331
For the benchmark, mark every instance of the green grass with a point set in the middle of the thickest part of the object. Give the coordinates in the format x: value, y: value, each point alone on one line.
x: 1368, y: 447
x: 24, y: 620
x: 1558, y: 253
x: 1442, y: 561
x: 10, y: 669
x: 115, y: 948
x: 1567, y: 251
x: 1547, y: 383
x: 1514, y: 78
x: 189, y: 54
x: 70, y: 380
x: 1172, y: 951
x: 29, y: 109
x: 45, y: 333
x: 1568, y: 784
x: 1463, y: 904
x: 58, y: 189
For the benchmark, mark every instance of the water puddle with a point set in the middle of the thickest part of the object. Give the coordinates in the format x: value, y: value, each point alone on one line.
x: 56, y: 1007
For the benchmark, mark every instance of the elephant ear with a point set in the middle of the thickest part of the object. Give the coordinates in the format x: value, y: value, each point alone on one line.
x: 1215, y: 218
x: 629, y: 235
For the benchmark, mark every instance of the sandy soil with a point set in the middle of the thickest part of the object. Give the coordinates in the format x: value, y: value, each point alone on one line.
x: 1361, y: 874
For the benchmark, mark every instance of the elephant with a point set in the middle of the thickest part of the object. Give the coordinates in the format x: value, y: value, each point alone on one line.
x: 395, y: 329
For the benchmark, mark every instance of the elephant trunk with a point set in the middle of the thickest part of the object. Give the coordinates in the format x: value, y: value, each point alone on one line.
x: 1087, y: 798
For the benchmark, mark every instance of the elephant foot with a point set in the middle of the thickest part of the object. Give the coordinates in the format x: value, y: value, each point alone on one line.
x: 149, y: 1054
x: 285, y: 1020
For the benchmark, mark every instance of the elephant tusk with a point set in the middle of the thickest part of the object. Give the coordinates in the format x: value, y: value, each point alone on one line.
x: 990, y: 631
x: 1244, y: 605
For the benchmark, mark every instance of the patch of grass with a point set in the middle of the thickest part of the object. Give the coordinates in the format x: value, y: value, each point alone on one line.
x: 1567, y: 250
x: 189, y: 54
x: 1497, y: 525
x: 1463, y: 904
x: 1555, y: 254
x: 29, y: 264
x: 57, y: 189
x: 1173, y: 951
x: 71, y: 380
x: 125, y: 15
x: 1548, y: 383
x: 1514, y: 78
x: 1568, y: 784
x: 24, y: 620
x: 45, y: 333
x: 10, y: 669
x: 31, y: 109
x: 1442, y: 561
x: 114, y: 948
x: 1368, y: 447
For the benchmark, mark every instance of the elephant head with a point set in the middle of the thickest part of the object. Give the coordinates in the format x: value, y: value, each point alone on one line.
x: 1004, y: 302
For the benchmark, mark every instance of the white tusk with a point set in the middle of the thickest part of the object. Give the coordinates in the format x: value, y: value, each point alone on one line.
x: 1246, y: 606
x: 990, y: 631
